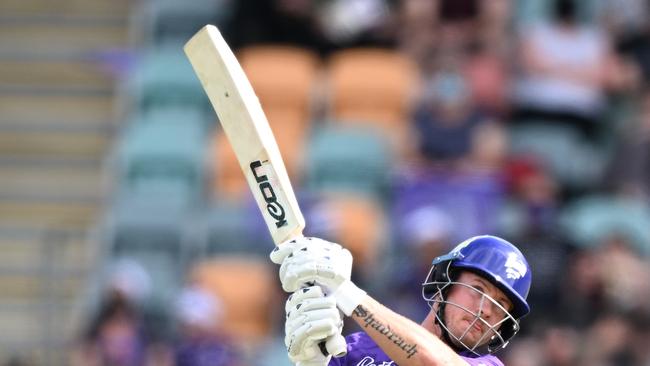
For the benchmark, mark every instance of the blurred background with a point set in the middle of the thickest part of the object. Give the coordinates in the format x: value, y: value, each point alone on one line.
x: 128, y: 235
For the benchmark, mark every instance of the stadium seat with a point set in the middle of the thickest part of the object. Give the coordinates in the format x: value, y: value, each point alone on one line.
x: 160, y: 158
x: 349, y: 158
x: 227, y: 179
x: 282, y: 76
x: 247, y: 287
x: 355, y: 221
x: 165, y: 20
x: 163, y: 76
x: 569, y: 157
x: 231, y: 226
x: 376, y: 86
x: 591, y: 220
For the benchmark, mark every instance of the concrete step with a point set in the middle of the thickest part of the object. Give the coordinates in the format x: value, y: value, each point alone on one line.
x: 22, y: 213
x: 86, y: 8
x: 57, y: 182
x: 36, y: 332
x: 71, y: 109
x: 61, y: 35
x: 33, y: 251
x: 54, y: 74
x: 31, y: 143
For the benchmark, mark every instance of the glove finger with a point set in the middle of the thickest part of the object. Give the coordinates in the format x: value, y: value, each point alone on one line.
x: 290, y: 279
x: 302, y: 294
x: 287, y: 266
x: 310, y: 355
x: 295, y: 322
x: 311, y: 332
x: 301, y: 309
x: 280, y: 252
x: 311, y: 273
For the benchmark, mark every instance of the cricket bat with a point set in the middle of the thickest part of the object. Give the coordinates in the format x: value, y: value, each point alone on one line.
x: 251, y: 138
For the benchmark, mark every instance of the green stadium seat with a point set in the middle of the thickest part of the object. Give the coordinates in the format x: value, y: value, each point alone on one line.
x: 349, y: 158
x: 160, y: 157
x: 175, y: 19
x: 228, y: 229
x: 593, y: 219
x: 163, y: 76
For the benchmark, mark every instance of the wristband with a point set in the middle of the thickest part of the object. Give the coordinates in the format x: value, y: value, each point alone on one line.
x: 348, y: 297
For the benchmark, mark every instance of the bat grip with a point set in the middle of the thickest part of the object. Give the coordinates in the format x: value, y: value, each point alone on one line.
x: 334, y: 345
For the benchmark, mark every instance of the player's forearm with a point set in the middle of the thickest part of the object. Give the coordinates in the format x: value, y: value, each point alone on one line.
x: 404, y: 341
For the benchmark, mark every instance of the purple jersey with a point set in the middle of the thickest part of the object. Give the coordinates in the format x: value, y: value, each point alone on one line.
x: 363, y: 351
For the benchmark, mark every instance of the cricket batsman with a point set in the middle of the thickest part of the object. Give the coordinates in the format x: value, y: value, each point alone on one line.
x: 477, y: 294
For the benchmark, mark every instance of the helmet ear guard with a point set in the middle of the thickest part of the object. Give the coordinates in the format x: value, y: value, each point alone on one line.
x: 440, y: 277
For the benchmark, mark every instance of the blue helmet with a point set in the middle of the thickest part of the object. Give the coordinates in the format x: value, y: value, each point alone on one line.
x: 496, y: 260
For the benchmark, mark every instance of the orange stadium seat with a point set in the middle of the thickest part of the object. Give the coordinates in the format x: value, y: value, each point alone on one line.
x: 282, y: 76
x: 358, y: 223
x: 372, y: 86
x: 227, y: 177
x: 247, y: 287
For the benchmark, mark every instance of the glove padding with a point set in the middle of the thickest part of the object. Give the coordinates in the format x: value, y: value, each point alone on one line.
x: 309, y: 260
x: 316, y: 261
x: 310, y: 317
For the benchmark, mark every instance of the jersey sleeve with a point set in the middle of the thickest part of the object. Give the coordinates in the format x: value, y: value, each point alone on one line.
x: 483, y: 361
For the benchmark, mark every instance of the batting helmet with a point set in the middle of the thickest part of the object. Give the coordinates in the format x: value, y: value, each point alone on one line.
x: 496, y: 260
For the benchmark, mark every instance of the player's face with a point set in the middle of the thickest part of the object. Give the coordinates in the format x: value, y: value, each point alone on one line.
x: 472, y: 299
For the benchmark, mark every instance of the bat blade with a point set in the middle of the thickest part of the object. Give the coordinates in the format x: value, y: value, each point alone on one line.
x: 248, y: 131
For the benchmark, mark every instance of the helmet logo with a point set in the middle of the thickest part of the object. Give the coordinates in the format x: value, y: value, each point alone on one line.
x: 515, y: 267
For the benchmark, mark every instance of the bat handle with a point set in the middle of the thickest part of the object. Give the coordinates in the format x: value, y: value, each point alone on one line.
x: 335, y: 345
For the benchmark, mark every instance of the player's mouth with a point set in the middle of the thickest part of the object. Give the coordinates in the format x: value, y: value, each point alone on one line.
x: 476, y: 325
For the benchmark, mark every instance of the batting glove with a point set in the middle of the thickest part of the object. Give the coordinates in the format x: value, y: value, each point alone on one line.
x: 313, y: 260
x: 310, y: 317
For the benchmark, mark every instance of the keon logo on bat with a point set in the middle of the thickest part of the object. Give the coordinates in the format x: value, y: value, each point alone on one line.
x: 273, y: 207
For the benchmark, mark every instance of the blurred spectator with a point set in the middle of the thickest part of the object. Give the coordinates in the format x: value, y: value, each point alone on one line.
x: 565, y: 69
x: 636, y: 46
x: 276, y: 21
x: 416, y: 36
x: 582, y: 295
x: 488, y: 150
x: 496, y: 23
x: 530, y: 219
x: 625, y: 275
x: 629, y: 171
x: 322, y: 26
x: 446, y: 117
x: 115, y: 337
x: 457, y: 22
x: 118, y: 333
x: 561, y: 346
x: 641, y: 337
x: 353, y: 23
x: 200, y: 342
x: 488, y: 79
x: 524, y: 351
x: 609, y: 342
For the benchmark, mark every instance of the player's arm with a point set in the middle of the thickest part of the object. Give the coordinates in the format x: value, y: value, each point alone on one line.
x: 404, y: 341
x: 330, y: 265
